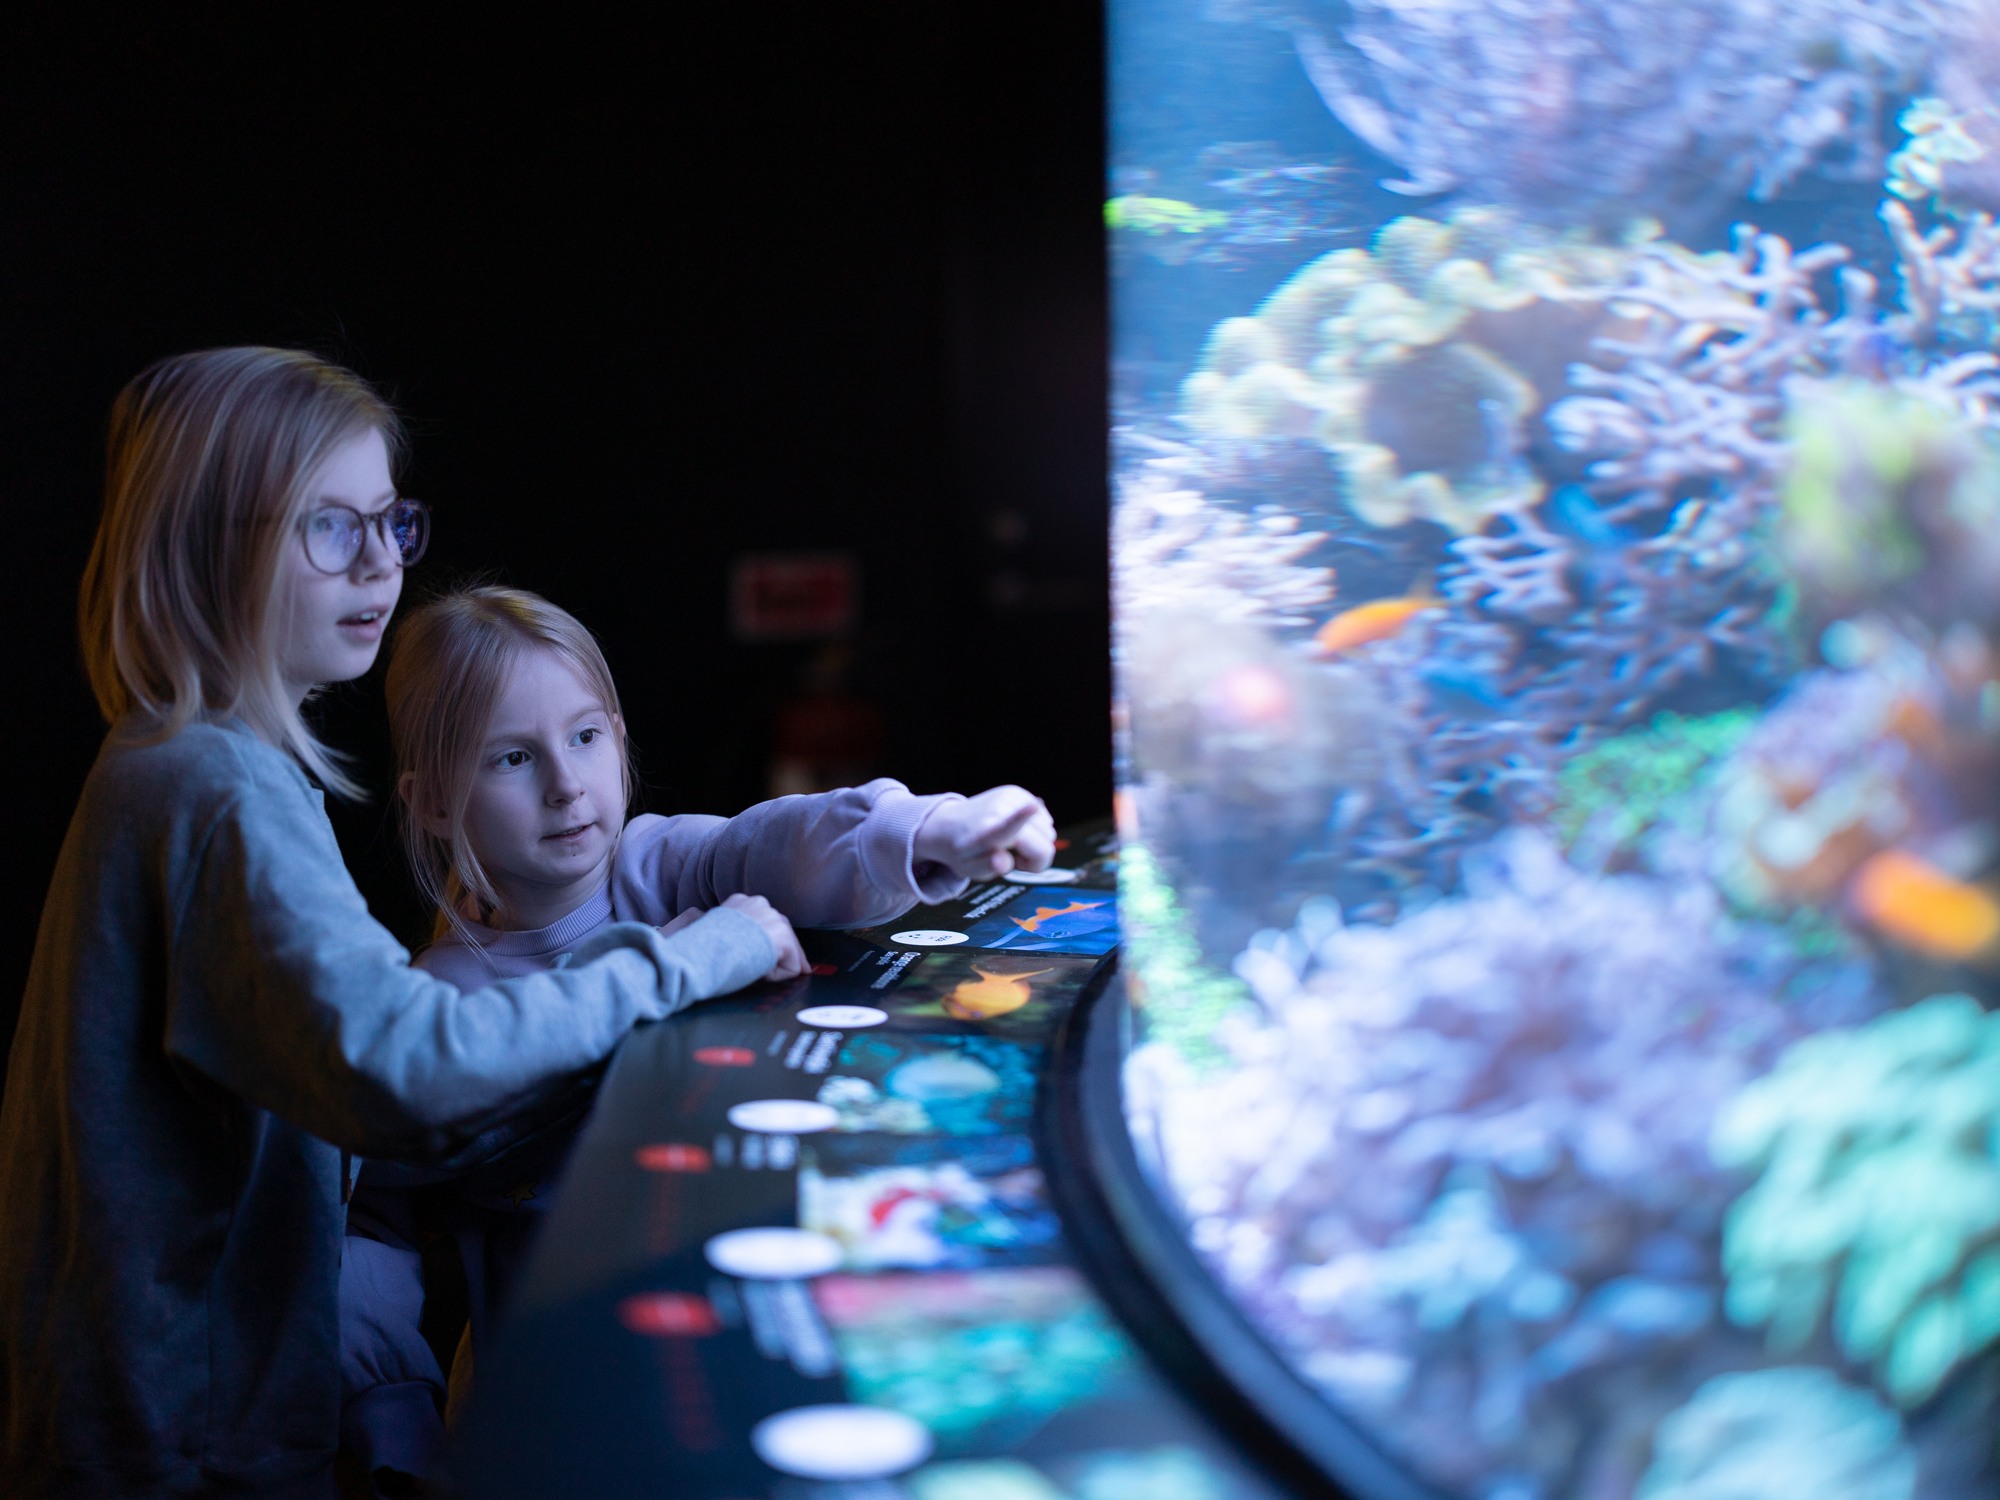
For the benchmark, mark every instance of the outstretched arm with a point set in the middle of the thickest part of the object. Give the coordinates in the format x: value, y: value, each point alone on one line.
x: 832, y: 859
x: 284, y: 990
x: 850, y: 858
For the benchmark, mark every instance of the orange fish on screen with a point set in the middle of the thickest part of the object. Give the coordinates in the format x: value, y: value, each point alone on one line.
x: 1377, y: 620
x: 990, y: 995
x: 1915, y: 904
x: 1044, y: 913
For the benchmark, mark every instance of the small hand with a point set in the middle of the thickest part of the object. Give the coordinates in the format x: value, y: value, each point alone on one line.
x: 791, y: 957
x: 999, y: 830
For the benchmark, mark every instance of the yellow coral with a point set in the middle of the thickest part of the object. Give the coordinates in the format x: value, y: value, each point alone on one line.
x: 1418, y: 365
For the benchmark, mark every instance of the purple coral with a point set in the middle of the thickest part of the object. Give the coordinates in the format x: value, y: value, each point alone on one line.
x: 1686, y: 104
x: 1692, y: 400
x: 1463, y: 1170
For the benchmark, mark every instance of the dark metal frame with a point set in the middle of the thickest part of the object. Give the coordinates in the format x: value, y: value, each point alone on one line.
x: 1137, y: 1253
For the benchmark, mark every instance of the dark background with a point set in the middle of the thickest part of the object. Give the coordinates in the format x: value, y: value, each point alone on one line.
x: 750, y: 278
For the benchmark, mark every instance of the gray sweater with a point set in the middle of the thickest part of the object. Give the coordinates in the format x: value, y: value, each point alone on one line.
x: 212, y: 1019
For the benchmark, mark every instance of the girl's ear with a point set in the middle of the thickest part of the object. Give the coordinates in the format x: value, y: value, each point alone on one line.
x: 618, y: 727
x: 434, y: 821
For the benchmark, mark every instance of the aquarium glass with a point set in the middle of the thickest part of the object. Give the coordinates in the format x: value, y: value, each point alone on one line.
x: 1557, y: 565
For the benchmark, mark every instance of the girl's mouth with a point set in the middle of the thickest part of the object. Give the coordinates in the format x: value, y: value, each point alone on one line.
x: 568, y: 835
x: 364, y: 622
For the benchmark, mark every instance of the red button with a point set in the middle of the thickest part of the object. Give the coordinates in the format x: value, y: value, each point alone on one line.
x: 724, y: 1057
x: 672, y: 1156
x: 822, y: 970
x: 669, y: 1315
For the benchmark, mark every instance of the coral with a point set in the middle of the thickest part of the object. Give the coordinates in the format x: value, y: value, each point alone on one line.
x: 1693, y: 601
x: 1161, y: 956
x: 1139, y: 213
x: 1794, y: 1430
x: 1173, y: 548
x: 1817, y: 788
x: 1967, y: 80
x: 1950, y: 279
x: 1276, y: 201
x: 1420, y: 365
x: 1877, y: 1202
x: 1258, y: 206
x: 1238, y: 750
x: 1689, y: 403
x: 1892, y: 505
x: 1612, y: 795
x: 1684, y: 105
x: 1891, y: 754
x: 1459, y: 1165
x: 1941, y: 141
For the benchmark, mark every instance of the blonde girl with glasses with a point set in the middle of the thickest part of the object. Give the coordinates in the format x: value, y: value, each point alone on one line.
x: 212, y: 1020
x: 515, y: 780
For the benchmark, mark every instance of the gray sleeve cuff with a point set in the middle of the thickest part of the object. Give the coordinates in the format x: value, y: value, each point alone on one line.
x: 889, y: 847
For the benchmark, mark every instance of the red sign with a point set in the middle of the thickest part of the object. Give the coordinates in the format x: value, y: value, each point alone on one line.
x: 794, y: 596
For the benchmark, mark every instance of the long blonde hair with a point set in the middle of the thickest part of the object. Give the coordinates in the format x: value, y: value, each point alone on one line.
x: 448, y: 665
x: 208, y: 466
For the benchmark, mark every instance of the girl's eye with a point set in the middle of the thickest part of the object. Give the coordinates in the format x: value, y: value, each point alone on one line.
x: 513, y: 758
x: 587, y: 736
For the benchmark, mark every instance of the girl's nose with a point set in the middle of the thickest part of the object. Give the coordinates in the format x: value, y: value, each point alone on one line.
x: 564, y: 784
x: 378, y: 556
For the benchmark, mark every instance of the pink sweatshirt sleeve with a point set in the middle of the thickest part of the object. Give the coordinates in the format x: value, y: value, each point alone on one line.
x: 833, y: 859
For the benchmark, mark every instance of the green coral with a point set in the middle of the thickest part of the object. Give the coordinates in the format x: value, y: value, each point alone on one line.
x: 1787, y: 1431
x: 1625, y: 786
x: 1184, y: 999
x: 1142, y: 214
x: 1856, y: 449
x: 1878, y: 1149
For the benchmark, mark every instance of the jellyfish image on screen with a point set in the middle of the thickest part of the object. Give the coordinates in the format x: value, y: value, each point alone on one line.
x: 1557, y: 642
x: 978, y: 991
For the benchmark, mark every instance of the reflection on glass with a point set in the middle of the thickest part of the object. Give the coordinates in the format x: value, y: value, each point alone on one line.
x: 1557, y: 554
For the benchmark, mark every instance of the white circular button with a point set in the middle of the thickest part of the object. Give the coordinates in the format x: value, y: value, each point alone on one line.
x: 783, y: 1116
x: 774, y: 1254
x: 843, y: 1017
x: 927, y: 937
x: 841, y: 1442
x: 1050, y: 876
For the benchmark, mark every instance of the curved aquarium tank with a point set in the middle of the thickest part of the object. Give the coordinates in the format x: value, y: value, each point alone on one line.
x: 1557, y: 559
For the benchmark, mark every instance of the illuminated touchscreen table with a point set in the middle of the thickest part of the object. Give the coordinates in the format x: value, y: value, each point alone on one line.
x: 807, y: 1247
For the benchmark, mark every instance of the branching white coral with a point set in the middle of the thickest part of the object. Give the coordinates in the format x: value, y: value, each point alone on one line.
x: 1173, y: 548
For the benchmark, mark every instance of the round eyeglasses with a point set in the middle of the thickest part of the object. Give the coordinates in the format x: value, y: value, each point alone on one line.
x: 336, y: 533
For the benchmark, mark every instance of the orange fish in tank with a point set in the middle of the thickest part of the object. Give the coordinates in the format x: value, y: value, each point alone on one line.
x: 1918, y: 906
x: 1377, y: 620
x: 990, y: 995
